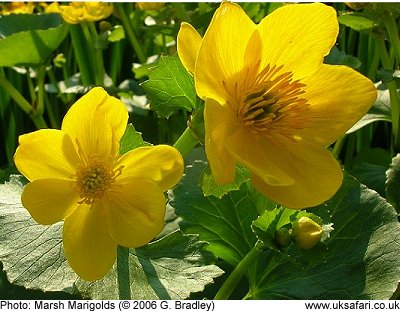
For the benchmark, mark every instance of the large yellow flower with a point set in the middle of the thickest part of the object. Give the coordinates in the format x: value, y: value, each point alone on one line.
x: 78, y: 12
x: 105, y: 199
x: 270, y: 103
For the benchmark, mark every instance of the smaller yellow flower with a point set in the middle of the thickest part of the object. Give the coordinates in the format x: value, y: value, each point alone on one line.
x: 149, y: 5
x: 77, y: 12
x: 105, y: 199
x: 18, y: 8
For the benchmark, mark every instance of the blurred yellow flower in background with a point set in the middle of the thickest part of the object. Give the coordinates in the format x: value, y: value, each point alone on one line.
x: 17, y: 8
x: 270, y: 102
x: 105, y: 199
x: 149, y: 5
x: 77, y: 12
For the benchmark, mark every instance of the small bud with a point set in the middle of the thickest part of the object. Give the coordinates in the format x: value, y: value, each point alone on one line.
x: 282, y: 237
x: 306, y: 232
x: 357, y: 5
x: 59, y: 60
x: 104, y: 26
x: 147, y: 6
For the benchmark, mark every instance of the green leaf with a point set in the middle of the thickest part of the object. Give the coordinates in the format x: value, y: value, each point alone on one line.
x: 370, y: 166
x: 32, y: 256
x: 337, y: 57
x: 14, y: 23
x: 357, y: 22
x: 170, y: 268
x: 380, y: 111
x: 393, y: 182
x: 224, y: 223
x: 170, y: 87
x: 210, y: 187
x: 131, y: 140
x: 29, y: 39
x: 117, y: 33
x: 360, y: 262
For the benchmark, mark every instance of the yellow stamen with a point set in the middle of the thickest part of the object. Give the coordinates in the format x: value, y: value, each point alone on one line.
x: 94, y: 179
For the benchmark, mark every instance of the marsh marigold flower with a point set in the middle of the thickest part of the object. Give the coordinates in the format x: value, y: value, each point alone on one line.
x: 270, y: 102
x: 105, y: 199
x: 17, y: 8
x: 78, y: 12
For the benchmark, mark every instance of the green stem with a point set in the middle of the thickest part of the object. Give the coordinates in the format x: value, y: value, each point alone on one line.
x: 53, y: 80
x: 98, y: 54
x: 16, y: 95
x: 124, y: 284
x: 374, y: 63
x: 80, y: 54
x: 22, y: 103
x: 116, y: 61
x: 39, y: 109
x: 237, y: 274
x: 186, y: 142
x: 391, y: 28
x: 337, y: 148
x: 394, y: 98
x: 130, y: 32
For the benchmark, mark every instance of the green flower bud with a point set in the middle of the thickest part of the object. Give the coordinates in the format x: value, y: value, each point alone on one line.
x: 59, y: 60
x: 306, y: 232
x: 357, y: 5
x: 282, y: 237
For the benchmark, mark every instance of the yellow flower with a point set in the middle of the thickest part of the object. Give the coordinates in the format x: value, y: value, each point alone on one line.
x: 105, y: 199
x: 77, y: 12
x: 270, y: 103
x: 149, y: 5
x: 17, y: 8
x: 53, y: 7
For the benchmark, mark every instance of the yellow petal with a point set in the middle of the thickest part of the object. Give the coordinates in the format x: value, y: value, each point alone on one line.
x: 88, y: 246
x: 262, y: 155
x: 160, y: 164
x: 50, y: 200
x: 188, y: 44
x: 338, y: 97
x: 97, y: 121
x: 135, y: 214
x: 46, y: 154
x: 221, y: 56
x: 317, y: 176
x: 298, y: 36
x: 220, y: 122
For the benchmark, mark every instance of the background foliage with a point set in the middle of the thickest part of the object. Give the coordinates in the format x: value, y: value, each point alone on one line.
x: 46, y: 64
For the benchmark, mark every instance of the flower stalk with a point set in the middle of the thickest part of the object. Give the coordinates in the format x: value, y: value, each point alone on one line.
x: 124, y: 284
x: 80, y: 54
x: 23, y: 103
x: 233, y: 279
x: 130, y: 32
x: 391, y: 28
x: 186, y: 142
x: 394, y: 98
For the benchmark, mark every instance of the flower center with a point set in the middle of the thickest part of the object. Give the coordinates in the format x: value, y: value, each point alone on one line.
x: 272, y: 96
x: 94, y: 180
